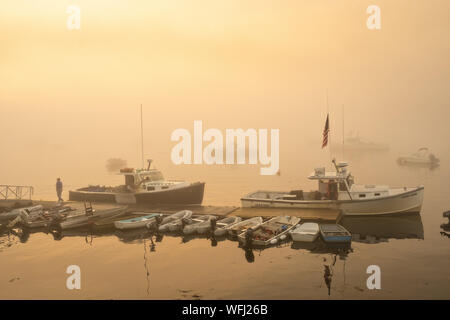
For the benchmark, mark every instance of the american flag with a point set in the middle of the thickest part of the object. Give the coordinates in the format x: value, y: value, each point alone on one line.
x: 326, y: 130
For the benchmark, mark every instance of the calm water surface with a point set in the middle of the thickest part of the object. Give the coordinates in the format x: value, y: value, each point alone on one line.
x: 413, y: 255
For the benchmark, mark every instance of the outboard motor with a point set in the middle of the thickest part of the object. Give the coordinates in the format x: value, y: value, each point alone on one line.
x: 249, y: 256
x: 184, y: 222
x: 213, y: 223
x: 248, y: 237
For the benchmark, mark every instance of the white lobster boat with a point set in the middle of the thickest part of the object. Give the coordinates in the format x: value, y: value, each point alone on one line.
x: 337, y: 190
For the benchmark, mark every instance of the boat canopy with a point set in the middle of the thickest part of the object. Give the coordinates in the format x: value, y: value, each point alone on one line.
x: 321, y: 174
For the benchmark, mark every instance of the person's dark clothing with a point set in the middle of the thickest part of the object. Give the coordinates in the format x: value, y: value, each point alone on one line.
x: 59, y: 188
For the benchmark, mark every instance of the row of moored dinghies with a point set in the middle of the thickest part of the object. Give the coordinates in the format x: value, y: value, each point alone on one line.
x: 252, y: 231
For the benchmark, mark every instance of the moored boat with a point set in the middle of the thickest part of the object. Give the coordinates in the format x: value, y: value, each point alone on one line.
x: 337, y: 190
x: 242, y: 226
x: 335, y: 233
x: 87, y: 219
x: 200, y: 224
x: 144, y: 186
x: 306, y: 232
x: 14, y: 213
x: 269, y: 232
x: 422, y: 158
x: 137, y: 222
x: 174, y: 218
x: 223, y: 225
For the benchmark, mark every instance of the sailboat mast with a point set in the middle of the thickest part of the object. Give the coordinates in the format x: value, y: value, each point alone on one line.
x: 142, y: 140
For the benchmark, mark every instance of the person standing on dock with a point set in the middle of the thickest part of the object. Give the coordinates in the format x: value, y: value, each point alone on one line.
x: 59, y: 188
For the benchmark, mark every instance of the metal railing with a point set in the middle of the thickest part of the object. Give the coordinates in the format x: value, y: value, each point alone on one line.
x: 16, y: 192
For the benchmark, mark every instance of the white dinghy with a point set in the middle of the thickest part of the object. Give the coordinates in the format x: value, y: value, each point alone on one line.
x: 138, y: 222
x: 90, y: 218
x: 306, y: 232
x: 173, y: 221
x: 223, y: 225
x: 270, y: 232
x: 242, y: 226
x: 200, y: 224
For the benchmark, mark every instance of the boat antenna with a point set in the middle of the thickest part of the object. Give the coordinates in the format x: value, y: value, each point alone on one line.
x: 142, y: 139
x: 343, y: 131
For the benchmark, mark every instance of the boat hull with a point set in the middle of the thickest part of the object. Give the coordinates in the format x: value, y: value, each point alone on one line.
x: 406, y: 202
x: 303, y: 237
x: 135, y: 223
x: 191, y: 194
x: 276, y: 237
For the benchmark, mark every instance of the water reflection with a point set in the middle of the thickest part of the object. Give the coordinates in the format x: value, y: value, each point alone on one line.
x: 328, y: 273
x: 376, y: 229
x: 418, y: 166
x: 446, y: 226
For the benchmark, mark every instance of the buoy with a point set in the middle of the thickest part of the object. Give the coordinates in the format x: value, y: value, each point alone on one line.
x: 273, y: 241
x: 283, y: 237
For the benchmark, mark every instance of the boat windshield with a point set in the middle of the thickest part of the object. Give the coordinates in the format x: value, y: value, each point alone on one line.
x: 151, y: 176
x: 350, y: 180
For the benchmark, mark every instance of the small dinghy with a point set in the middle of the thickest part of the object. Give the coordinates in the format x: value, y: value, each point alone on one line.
x: 7, y: 216
x: 138, y: 222
x: 242, y: 226
x: 223, y: 225
x: 269, y: 232
x: 306, y: 232
x: 90, y: 217
x: 174, y: 220
x: 335, y: 233
x: 200, y: 225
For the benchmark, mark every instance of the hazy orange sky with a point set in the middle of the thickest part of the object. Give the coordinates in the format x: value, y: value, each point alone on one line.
x: 66, y: 94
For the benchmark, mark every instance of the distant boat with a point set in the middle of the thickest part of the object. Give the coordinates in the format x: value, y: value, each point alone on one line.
x: 335, y: 233
x: 337, y: 190
x: 143, y: 186
x: 421, y: 158
x: 306, y: 232
x: 357, y: 144
x: 271, y: 231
